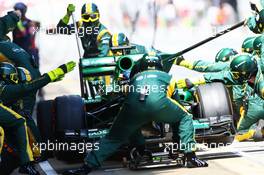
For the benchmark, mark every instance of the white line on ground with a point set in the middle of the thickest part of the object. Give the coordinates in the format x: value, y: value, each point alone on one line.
x: 249, y: 157
x: 47, y: 168
x: 114, y: 169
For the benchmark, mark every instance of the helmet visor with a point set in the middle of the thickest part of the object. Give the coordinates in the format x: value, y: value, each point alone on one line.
x: 242, y: 75
x: 247, y: 50
x: 90, y: 17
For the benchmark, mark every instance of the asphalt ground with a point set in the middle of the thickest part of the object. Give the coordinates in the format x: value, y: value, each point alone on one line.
x: 244, y: 158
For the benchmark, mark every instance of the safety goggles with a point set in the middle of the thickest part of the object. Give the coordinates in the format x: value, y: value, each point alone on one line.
x: 152, y: 60
x: 247, y: 50
x: 90, y: 17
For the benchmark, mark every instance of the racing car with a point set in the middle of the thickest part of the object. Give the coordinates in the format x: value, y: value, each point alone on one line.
x: 89, y: 116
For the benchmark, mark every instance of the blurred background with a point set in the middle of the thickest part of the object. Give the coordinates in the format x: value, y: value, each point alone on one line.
x: 168, y: 25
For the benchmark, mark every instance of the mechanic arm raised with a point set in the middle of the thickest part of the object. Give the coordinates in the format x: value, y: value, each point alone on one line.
x: 62, y: 26
x: 8, y: 23
x: 201, y: 65
x: 225, y: 77
x: 16, y: 91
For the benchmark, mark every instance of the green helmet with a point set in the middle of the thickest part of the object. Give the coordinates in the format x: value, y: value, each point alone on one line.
x: 247, y: 45
x: 90, y: 14
x: 119, y: 39
x: 151, y: 61
x: 8, y: 73
x: 243, y: 66
x: 23, y: 75
x: 225, y: 54
x: 257, y: 44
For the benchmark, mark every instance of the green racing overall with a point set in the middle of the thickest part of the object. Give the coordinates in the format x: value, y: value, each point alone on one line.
x: 136, y: 111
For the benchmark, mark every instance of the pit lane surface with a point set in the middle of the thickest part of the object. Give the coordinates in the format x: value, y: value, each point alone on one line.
x: 237, y: 159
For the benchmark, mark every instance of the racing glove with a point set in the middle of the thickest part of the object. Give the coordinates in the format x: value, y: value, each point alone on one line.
x: 58, y: 73
x: 70, y: 10
x: 68, y: 67
x: 192, y: 161
x: 187, y: 83
x: 180, y: 61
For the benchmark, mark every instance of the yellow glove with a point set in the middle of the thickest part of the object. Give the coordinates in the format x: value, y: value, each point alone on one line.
x: 181, y: 83
x: 187, y: 83
x: 58, y: 73
x: 70, y: 10
x: 68, y: 67
x: 180, y: 61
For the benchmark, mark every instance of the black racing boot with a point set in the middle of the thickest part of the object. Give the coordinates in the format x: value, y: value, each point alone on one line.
x: 192, y: 161
x: 28, y: 169
x: 85, y: 169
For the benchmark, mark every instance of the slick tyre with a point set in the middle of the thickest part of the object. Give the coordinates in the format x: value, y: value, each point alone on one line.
x: 70, y: 113
x: 214, y: 100
x: 46, y: 123
x: 45, y: 119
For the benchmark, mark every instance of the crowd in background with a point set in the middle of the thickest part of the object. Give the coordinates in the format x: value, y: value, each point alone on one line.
x: 171, y: 13
x: 163, y: 13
